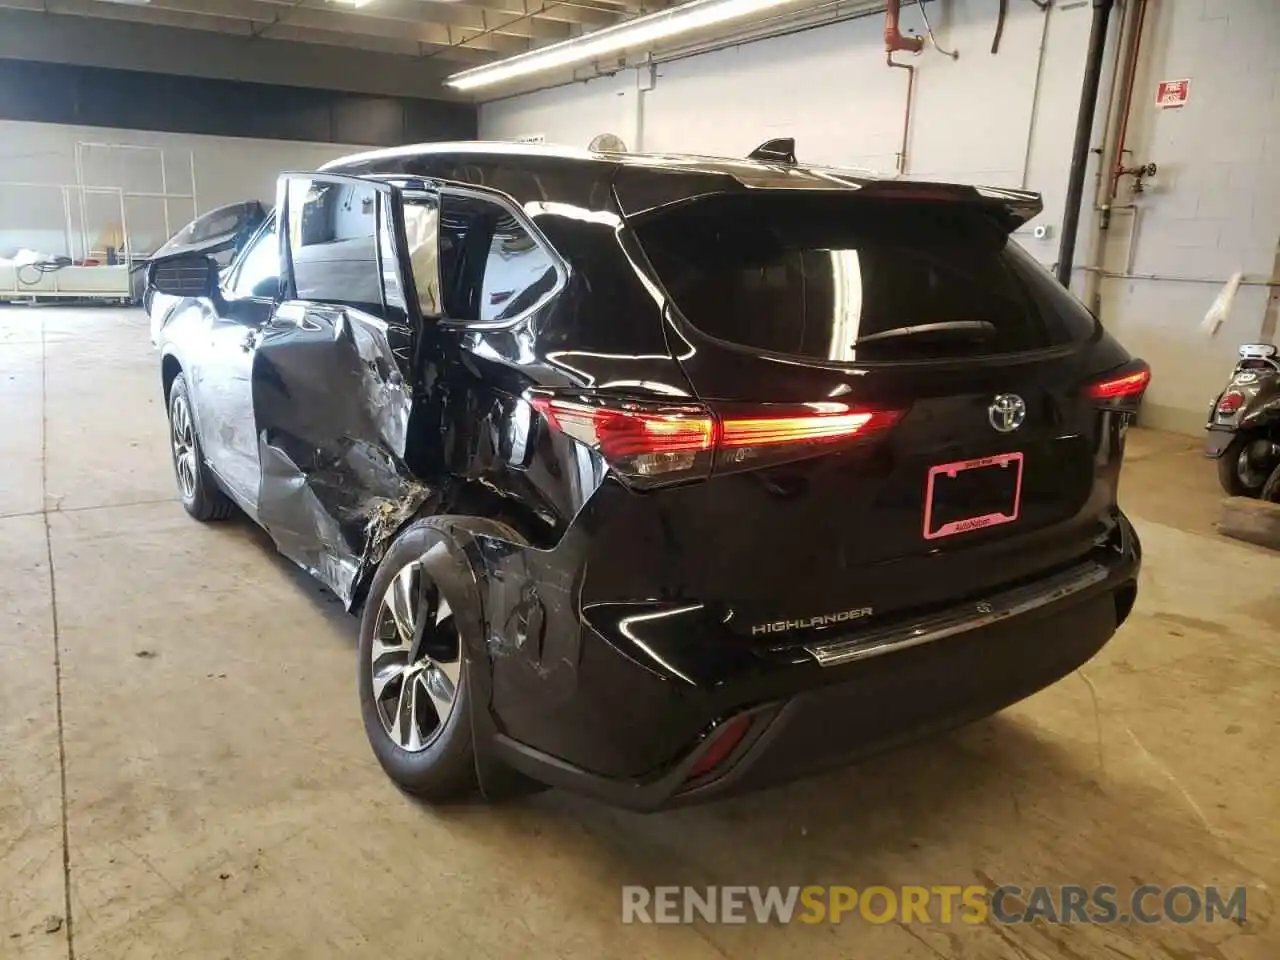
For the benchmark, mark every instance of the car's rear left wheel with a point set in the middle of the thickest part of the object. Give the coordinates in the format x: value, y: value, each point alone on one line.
x: 413, y: 688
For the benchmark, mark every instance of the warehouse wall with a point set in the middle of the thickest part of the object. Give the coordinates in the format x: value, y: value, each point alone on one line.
x: 1214, y: 206
x: 1005, y: 120
x: 46, y: 108
x: 226, y: 170
x: 138, y: 100
x: 977, y: 118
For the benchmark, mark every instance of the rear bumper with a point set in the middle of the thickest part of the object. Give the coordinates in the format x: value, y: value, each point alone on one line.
x: 959, y: 665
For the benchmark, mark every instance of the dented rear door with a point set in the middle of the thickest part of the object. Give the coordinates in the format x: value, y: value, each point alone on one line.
x: 333, y: 383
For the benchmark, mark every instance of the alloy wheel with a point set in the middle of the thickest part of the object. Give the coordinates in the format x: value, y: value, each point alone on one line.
x: 184, y: 446
x: 416, y: 659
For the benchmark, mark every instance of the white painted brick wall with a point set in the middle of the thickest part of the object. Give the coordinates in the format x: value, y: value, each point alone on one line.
x: 1214, y: 208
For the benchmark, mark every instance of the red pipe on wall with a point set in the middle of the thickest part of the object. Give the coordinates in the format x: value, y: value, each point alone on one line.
x: 1131, y: 72
x: 893, y: 42
x: 893, y: 38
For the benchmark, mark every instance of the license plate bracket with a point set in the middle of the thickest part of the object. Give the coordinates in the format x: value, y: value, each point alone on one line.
x: 967, y: 495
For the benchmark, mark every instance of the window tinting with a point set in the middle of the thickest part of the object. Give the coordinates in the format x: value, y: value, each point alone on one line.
x: 813, y: 276
x: 259, y: 272
x: 492, y: 269
x: 333, y: 240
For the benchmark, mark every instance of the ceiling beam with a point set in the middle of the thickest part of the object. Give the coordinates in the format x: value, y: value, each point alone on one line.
x: 589, y: 13
x: 399, y: 12
x: 468, y: 32
x: 123, y: 45
x: 269, y: 18
x: 460, y: 47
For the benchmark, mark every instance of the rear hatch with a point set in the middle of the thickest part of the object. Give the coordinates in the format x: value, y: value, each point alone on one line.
x: 982, y: 461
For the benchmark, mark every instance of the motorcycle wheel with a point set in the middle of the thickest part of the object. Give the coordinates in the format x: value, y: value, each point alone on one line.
x: 1271, y: 489
x: 1242, y: 472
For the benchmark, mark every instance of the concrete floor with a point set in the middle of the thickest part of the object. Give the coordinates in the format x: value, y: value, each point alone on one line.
x: 183, y: 769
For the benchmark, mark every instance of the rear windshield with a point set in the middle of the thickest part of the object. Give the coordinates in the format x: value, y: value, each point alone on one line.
x: 820, y: 277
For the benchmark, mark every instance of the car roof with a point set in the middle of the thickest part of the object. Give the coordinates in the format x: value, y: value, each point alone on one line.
x: 745, y: 170
x: 644, y: 181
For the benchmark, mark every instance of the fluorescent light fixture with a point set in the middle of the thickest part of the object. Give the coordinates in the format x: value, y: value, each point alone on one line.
x: 634, y: 33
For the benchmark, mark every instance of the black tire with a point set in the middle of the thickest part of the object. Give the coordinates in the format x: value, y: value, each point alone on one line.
x: 443, y: 767
x: 1229, y: 477
x: 201, y: 496
x: 1271, y: 489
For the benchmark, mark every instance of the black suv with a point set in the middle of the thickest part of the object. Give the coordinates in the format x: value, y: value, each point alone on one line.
x: 657, y: 477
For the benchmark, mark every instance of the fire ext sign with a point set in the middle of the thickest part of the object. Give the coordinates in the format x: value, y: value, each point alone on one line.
x: 1173, y: 93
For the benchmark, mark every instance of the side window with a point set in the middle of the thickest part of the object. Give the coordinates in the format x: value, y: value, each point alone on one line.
x: 492, y: 268
x: 333, y: 242
x: 259, y: 271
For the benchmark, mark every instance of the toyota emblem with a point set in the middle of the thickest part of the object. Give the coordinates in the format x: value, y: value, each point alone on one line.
x: 1007, y: 411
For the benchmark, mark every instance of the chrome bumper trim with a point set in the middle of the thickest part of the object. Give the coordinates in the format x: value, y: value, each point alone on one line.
x: 962, y: 619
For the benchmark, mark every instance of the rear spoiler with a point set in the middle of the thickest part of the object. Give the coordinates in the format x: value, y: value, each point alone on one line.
x: 1012, y: 208
x: 643, y: 192
x: 773, y: 166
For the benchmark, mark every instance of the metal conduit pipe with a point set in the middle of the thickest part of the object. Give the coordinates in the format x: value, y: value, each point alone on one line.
x: 906, y: 114
x: 894, y: 41
x: 1111, y: 159
x: 1084, y: 131
x: 1172, y: 278
x: 1126, y: 95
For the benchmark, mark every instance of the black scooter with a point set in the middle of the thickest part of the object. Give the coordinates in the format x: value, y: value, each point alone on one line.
x: 1244, y: 425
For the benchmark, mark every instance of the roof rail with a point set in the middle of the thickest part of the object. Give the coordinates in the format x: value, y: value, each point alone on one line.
x: 782, y: 150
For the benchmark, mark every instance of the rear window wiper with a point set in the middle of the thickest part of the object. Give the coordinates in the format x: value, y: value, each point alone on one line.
x: 967, y: 329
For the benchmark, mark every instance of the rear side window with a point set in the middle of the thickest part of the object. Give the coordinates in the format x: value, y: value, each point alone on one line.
x: 817, y: 276
x: 492, y: 269
x: 333, y: 242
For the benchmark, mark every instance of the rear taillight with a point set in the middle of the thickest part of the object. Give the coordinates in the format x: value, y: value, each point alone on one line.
x: 652, y: 442
x: 1123, y: 387
x: 756, y: 436
x: 647, y: 442
x: 1230, y: 403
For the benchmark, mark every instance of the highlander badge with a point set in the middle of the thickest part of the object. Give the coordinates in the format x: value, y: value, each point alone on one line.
x: 782, y: 626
